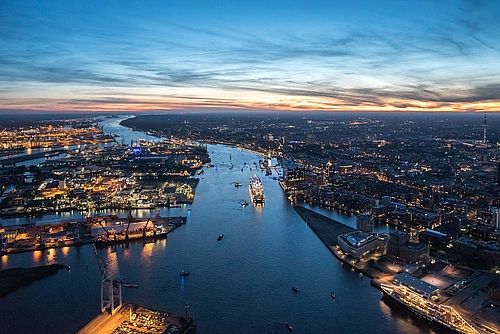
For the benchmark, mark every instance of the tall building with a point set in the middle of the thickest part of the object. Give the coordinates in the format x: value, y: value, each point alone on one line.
x: 328, y: 173
x: 496, y: 218
x: 498, y: 174
x: 364, y: 223
x: 485, y: 126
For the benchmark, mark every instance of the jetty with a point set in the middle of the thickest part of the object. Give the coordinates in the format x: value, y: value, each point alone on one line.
x: 135, y: 319
x: 328, y: 230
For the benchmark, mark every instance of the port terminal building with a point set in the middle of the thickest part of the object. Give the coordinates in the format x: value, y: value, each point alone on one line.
x: 417, y: 285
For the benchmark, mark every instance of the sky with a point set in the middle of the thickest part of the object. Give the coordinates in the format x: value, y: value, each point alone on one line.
x: 279, y: 55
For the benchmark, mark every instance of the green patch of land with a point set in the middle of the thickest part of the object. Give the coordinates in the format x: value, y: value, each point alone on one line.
x: 15, y: 278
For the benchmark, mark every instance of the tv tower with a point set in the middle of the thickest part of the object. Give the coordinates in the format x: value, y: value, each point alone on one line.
x: 484, y: 129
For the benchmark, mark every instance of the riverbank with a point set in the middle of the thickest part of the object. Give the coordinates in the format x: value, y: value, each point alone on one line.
x: 328, y: 230
x: 16, y: 278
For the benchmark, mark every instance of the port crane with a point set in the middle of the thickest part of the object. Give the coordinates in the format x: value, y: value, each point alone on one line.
x: 145, y: 227
x: 129, y: 219
x: 104, y: 229
x: 111, y: 286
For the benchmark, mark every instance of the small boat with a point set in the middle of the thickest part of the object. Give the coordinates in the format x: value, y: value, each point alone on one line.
x: 289, y: 327
x: 295, y: 289
x: 184, y: 273
x: 237, y: 184
x: 332, y: 294
x: 244, y: 203
x: 219, y: 238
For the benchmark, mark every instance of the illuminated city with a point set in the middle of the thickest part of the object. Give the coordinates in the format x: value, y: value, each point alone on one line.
x: 181, y: 167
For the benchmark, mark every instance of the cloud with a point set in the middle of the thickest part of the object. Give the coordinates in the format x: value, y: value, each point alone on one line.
x: 405, y: 64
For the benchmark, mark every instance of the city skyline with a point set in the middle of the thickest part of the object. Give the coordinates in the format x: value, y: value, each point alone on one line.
x: 125, y: 56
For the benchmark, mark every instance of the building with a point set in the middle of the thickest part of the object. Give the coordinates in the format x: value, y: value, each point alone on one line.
x: 415, y: 284
x: 328, y: 173
x: 400, y: 247
x: 358, y: 244
x: 496, y: 218
x: 434, y: 238
x: 494, y: 291
x: 292, y: 171
x: 422, y: 217
x: 364, y: 223
x: 346, y: 169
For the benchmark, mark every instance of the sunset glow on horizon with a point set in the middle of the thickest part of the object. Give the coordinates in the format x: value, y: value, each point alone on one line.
x: 278, y: 55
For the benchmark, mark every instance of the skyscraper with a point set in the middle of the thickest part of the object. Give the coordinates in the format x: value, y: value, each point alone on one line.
x: 485, y: 126
x: 496, y: 218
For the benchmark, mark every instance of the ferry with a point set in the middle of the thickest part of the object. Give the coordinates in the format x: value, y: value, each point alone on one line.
x: 256, y: 190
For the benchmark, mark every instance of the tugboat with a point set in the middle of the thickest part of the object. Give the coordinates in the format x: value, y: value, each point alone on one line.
x: 184, y: 273
x: 289, y: 327
x: 219, y: 238
x: 295, y: 289
x: 332, y: 294
x: 243, y: 203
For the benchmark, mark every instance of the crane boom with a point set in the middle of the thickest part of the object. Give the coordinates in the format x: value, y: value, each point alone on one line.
x: 102, y: 266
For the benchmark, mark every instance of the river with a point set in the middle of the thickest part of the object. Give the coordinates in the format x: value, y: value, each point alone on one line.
x: 239, y: 285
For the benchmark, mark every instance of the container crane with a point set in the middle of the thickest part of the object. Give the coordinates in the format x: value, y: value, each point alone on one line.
x: 111, y: 286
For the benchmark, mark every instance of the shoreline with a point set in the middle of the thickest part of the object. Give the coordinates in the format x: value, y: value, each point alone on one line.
x: 36, y: 215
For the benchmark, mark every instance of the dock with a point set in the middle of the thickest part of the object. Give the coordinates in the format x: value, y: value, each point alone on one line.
x: 328, y: 230
x: 134, y: 319
x: 101, y: 231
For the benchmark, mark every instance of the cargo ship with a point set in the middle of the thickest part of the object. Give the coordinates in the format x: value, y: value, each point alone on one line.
x: 256, y: 190
x: 442, y: 317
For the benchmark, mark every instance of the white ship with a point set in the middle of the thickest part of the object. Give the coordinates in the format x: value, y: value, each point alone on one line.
x: 256, y: 190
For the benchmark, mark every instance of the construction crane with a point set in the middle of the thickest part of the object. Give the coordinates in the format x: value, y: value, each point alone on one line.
x: 111, y: 286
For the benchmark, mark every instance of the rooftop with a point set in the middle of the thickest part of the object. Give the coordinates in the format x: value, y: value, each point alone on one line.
x: 416, y: 284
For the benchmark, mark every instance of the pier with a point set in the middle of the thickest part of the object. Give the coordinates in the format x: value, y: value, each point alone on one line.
x: 328, y: 230
x: 135, y: 319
